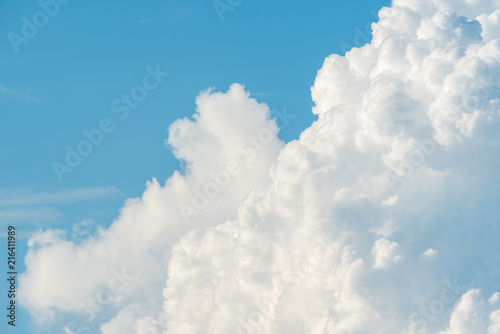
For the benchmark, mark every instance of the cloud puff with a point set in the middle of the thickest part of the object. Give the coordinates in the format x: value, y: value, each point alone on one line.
x: 381, y: 218
x: 227, y: 149
x: 385, y: 252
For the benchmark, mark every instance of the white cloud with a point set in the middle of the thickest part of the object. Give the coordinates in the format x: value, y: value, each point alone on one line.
x: 430, y: 253
x: 226, y: 128
x: 384, y: 252
x: 470, y: 315
x: 403, y: 159
x: 494, y: 327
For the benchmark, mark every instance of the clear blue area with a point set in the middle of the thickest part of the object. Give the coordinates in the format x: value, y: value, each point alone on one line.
x: 64, y: 79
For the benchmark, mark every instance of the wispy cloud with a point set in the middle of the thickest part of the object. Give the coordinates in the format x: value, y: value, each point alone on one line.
x: 4, y: 91
x: 24, y: 197
x: 33, y: 215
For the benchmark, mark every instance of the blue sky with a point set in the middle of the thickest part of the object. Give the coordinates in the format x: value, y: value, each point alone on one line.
x: 64, y: 79
x: 383, y: 210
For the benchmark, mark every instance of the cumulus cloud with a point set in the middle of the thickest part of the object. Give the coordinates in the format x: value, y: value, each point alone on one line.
x: 385, y: 252
x: 227, y: 149
x: 381, y: 218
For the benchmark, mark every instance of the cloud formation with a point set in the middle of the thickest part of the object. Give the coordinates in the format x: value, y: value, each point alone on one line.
x: 381, y: 218
x: 79, y: 277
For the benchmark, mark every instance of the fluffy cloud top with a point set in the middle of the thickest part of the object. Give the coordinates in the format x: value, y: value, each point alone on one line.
x: 381, y: 218
x: 226, y: 149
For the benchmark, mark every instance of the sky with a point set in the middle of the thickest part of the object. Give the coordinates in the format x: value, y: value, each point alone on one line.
x: 64, y: 79
x: 251, y: 167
